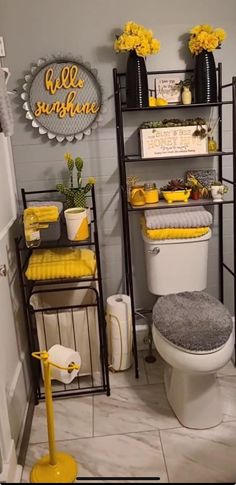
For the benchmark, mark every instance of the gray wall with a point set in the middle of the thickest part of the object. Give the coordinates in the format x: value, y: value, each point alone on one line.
x: 36, y: 29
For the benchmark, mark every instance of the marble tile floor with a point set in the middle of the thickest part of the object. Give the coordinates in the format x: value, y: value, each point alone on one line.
x: 134, y: 433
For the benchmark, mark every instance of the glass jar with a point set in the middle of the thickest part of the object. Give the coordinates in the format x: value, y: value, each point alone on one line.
x: 212, y: 145
x: 31, y: 229
x: 151, y: 193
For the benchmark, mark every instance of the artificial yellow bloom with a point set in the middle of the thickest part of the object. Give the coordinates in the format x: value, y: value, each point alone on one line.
x: 195, y: 30
x: 221, y: 34
x: 205, y: 37
x: 137, y: 37
x: 68, y: 157
x: 207, y: 28
x: 91, y: 180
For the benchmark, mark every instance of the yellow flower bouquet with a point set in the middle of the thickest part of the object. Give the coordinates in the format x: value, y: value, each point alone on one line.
x: 137, y: 38
x: 205, y: 38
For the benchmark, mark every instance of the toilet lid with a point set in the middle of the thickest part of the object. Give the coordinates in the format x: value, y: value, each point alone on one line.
x: 194, y: 321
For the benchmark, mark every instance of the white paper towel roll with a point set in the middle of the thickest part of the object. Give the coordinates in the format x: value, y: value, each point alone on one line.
x: 118, y: 312
x: 63, y: 356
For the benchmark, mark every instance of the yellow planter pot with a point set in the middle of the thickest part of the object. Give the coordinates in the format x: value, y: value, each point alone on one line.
x: 176, y: 196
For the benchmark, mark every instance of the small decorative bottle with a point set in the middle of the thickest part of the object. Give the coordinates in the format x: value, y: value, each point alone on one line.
x: 186, y: 95
x: 212, y: 145
x: 31, y: 228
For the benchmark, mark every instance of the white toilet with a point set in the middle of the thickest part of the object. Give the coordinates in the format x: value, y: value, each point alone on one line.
x: 192, y: 331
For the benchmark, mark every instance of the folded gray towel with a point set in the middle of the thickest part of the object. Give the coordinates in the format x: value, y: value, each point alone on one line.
x: 178, y: 217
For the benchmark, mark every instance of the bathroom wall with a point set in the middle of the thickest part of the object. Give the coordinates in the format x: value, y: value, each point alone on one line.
x: 36, y: 29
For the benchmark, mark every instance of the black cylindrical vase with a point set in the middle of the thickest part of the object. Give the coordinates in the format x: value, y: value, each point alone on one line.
x: 136, y: 82
x: 205, y: 78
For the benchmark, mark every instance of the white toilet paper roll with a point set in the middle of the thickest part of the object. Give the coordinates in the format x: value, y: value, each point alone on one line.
x: 63, y: 356
x: 120, y: 306
x: 118, y: 312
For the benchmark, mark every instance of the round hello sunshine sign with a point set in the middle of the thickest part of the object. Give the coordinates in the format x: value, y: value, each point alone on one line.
x: 62, y: 99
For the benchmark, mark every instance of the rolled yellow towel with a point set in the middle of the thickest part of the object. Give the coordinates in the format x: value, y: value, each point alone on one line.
x: 45, y: 213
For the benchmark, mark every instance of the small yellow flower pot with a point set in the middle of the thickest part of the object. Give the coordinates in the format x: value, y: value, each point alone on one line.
x: 176, y: 196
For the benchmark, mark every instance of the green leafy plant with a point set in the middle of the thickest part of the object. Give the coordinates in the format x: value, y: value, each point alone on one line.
x: 172, y: 122
x: 188, y: 83
x: 75, y: 196
x: 223, y: 189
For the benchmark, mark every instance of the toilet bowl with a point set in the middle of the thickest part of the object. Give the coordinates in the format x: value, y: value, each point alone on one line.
x: 196, y: 343
x: 190, y: 381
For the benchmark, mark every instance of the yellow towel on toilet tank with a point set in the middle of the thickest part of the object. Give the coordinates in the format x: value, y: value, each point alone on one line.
x: 47, y: 264
x: 45, y: 213
x: 174, y: 233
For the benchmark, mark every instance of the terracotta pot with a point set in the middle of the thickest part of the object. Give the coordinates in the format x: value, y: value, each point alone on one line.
x: 195, y: 195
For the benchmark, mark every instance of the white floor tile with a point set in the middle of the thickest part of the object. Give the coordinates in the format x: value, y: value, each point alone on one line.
x: 198, y: 456
x: 73, y: 419
x: 128, y: 410
x: 131, y: 455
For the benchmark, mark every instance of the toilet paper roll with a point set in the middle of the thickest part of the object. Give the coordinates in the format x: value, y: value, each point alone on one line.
x: 120, y: 306
x: 118, y: 313
x: 63, y: 356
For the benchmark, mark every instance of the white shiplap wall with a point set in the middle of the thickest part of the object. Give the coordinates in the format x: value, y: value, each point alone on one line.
x: 35, y: 29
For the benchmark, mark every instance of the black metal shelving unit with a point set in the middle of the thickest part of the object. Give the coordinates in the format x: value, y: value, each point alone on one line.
x: 91, y: 284
x: 123, y: 158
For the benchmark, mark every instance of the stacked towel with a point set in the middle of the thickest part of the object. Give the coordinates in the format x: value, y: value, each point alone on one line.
x: 188, y: 217
x: 44, y: 213
x: 47, y: 264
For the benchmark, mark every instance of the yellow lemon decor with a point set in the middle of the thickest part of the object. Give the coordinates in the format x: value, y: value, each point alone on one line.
x: 205, y: 37
x: 157, y: 101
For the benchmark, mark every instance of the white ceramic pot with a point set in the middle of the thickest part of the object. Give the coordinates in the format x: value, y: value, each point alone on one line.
x: 77, y: 224
x: 217, y: 192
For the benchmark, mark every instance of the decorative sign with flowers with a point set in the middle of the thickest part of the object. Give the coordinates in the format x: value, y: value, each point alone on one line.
x: 62, y: 98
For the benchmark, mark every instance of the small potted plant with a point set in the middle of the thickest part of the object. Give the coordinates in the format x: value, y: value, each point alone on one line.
x: 77, y: 213
x: 218, y: 189
x: 195, y: 186
x: 75, y: 196
x: 176, y: 191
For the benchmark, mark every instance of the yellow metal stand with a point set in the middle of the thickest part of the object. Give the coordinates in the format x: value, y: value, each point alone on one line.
x: 55, y: 467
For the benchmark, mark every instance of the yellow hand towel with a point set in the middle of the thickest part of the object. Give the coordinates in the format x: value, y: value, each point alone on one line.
x: 61, y: 263
x: 45, y: 213
x: 174, y: 233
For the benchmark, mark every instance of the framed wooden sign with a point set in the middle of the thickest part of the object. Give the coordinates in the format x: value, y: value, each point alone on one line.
x: 167, y: 88
x: 62, y: 98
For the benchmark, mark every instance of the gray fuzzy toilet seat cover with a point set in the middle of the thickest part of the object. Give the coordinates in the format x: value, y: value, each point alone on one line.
x: 194, y: 320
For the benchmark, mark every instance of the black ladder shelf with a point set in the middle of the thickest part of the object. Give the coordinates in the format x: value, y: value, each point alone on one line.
x: 96, y: 382
x: 124, y: 158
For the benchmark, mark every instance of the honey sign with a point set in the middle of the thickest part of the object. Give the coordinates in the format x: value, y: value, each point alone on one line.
x: 63, y: 99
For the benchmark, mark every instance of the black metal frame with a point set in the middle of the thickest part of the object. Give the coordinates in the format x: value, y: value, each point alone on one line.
x: 28, y: 288
x: 119, y: 80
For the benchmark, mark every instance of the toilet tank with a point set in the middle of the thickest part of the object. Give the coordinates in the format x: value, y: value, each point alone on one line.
x: 175, y: 265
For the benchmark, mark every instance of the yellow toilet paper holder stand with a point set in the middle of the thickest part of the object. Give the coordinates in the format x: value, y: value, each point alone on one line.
x: 56, y: 467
